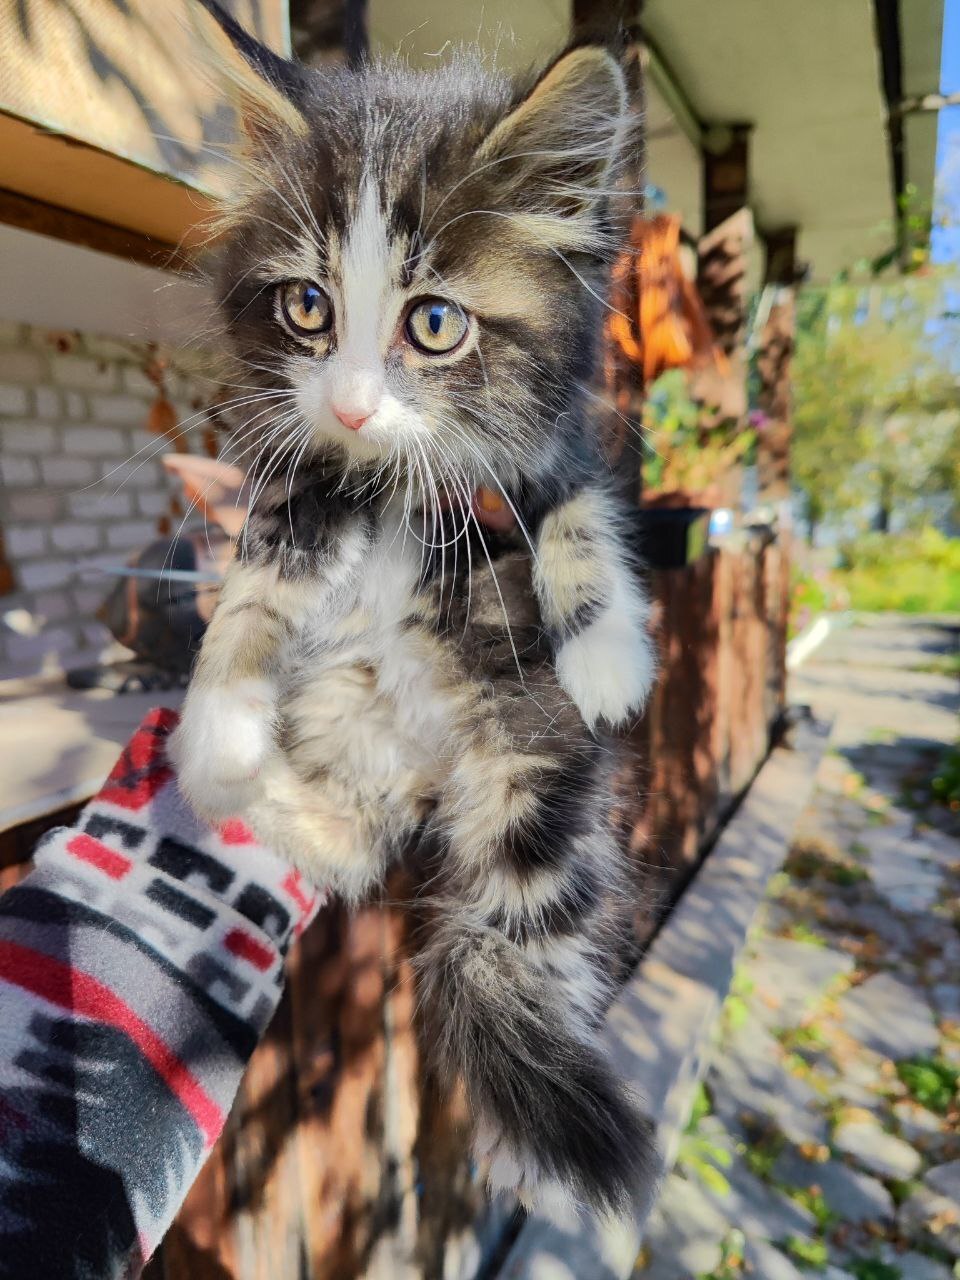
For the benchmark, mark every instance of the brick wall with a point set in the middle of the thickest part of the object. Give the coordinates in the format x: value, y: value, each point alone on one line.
x: 79, y: 485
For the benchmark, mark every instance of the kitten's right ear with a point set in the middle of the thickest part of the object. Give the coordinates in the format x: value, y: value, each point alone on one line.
x: 260, y: 84
x: 564, y: 137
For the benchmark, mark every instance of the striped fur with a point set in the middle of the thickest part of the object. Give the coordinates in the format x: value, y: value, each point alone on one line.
x: 384, y: 676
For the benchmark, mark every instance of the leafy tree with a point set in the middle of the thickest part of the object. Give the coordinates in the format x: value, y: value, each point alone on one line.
x: 877, y: 399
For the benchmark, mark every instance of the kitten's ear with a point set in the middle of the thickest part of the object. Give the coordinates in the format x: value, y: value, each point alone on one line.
x: 258, y: 82
x: 566, y: 135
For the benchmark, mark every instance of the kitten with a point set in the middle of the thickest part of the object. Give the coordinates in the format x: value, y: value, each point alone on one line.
x: 411, y: 275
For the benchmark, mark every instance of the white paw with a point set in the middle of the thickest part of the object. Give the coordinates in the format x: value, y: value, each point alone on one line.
x: 222, y: 742
x: 608, y: 669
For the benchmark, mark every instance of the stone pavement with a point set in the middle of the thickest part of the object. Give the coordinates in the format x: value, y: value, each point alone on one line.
x: 826, y: 1137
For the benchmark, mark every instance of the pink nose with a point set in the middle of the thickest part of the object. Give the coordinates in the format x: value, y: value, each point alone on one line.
x: 352, y: 420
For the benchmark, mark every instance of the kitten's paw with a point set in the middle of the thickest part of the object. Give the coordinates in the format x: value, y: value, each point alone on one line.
x: 608, y: 669
x: 221, y: 744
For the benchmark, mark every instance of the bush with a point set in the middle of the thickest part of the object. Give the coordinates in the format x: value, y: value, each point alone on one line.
x: 909, y: 573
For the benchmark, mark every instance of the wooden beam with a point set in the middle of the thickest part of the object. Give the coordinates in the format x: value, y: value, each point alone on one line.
x: 774, y: 357
x: 63, y: 224
x: 605, y: 19
x: 726, y: 172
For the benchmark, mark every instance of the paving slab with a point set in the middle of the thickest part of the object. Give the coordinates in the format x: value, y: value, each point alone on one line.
x: 790, y: 978
x: 852, y: 1195
x: 789, y: 1070
x: 877, y: 1151
x: 685, y: 1232
x: 933, y: 1218
x: 890, y: 1017
x: 765, y: 1262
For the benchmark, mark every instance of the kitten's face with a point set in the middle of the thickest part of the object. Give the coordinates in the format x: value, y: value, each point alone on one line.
x: 415, y: 263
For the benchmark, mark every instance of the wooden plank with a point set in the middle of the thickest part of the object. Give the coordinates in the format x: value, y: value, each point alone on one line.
x: 44, y: 219
x: 67, y: 742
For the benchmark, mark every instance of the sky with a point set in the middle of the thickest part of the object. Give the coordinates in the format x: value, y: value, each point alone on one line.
x: 946, y: 240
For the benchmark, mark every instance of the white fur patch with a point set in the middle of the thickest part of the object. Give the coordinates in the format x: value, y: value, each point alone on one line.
x: 609, y: 668
x: 224, y: 737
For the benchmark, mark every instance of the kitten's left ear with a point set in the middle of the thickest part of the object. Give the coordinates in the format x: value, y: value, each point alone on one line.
x: 260, y: 84
x: 566, y: 135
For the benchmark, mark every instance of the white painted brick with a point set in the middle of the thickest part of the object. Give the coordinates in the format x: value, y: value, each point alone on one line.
x: 105, y: 560
x: 54, y: 606
x: 95, y: 634
x: 27, y: 437
x: 89, y: 598
x: 84, y: 373
x: 25, y: 539
x: 94, y: 440
x: 133, y: 533
x: 75, y: 403
x: 18, y: 472
x: 25, y: 649
x: 136, y: 382
x: 146, y: 440
x: 154, y: 504
x: 123, y: 409
x: 76, y: 537
x: 141, y: 473
x: 13, y: 400
x: 99, y: 506
x: 21, y: 366
x: 102, y: 348
x: 36, y: 505
x: 11, y: 333
x: 64, y: 471
x: 47, y: 403
x: 39, y: 575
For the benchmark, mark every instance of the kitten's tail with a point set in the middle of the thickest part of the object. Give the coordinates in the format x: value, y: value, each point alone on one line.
x: 554, y: 1122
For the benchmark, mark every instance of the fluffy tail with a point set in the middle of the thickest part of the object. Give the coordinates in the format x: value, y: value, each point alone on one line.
x: 552, y: 1117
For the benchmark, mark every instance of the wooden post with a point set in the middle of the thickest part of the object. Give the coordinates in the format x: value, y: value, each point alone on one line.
x: 721, y: 283
x: 329, y: 31
x: 726, y: 172
x: 774, y: 355
x: 618, y: 389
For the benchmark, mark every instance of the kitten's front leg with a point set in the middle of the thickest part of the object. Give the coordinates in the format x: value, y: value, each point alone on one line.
x: 227, y: 728
x: 595, y: 607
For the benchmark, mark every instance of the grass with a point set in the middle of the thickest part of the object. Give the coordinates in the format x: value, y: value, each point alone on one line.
x: 807, y: 861
x: 874, y: 1269
x: 809, y: 1254
x: 942, y: 664
x: 813, y: 1200
x: 932, y: 1082
x: 800, y: 932
x: 761, y: 1155
x: 730, y: 1266
x: 907, y: 573
x: 916, y: 572
x: 945, y: 783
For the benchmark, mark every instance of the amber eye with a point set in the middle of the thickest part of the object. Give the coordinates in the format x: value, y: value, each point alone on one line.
x: 306, y: 308
x: 436, y: 326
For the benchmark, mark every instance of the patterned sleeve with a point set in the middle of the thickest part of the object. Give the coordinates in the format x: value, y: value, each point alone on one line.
x: 140, y: 962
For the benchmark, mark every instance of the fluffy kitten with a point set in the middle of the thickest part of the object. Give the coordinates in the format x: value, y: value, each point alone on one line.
x: 411, y: 276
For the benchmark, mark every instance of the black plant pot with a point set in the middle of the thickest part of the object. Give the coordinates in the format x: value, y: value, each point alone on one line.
x: 671, y: 537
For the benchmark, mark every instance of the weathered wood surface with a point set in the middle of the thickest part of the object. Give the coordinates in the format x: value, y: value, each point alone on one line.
x: 339, y: 1161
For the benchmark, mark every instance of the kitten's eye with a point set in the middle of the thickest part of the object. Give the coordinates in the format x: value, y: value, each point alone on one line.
x: 436, y: 326
x: 306, y: 308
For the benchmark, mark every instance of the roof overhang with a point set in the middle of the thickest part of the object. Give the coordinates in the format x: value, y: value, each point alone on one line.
x: 812, y: 79
x: 107, y: 116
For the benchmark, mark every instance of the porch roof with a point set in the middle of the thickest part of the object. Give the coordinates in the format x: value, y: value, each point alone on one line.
x: 815, y: 80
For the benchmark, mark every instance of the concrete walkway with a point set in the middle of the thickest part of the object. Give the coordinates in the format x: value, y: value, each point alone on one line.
x: 826, y: 1138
